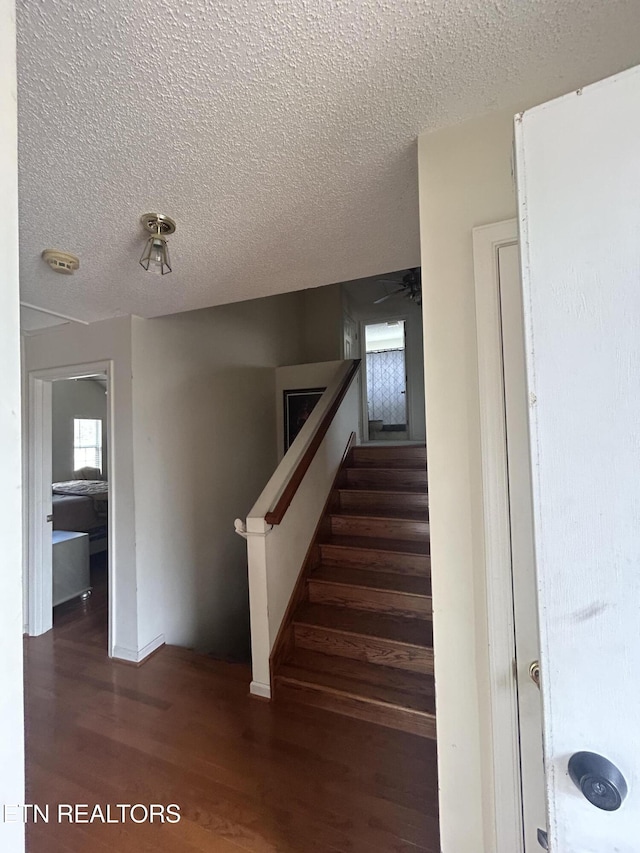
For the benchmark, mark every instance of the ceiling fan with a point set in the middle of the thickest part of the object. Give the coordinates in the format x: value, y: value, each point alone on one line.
x: 410, y: 286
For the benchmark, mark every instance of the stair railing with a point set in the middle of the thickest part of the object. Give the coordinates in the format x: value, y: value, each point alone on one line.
x: 280, y: 527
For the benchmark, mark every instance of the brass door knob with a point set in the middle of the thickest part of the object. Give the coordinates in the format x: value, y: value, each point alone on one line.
x: 534, y: 673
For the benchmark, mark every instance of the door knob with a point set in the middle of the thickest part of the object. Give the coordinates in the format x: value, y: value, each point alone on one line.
x: 599, y: 780
x: 534, y: 673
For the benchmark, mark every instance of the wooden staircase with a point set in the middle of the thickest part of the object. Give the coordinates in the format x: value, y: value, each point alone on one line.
x: 357, y: 638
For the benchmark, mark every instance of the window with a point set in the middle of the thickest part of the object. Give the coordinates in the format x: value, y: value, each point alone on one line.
x: 87, y: 443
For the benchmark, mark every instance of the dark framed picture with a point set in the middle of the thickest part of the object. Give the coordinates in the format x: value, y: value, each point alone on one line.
x: 298, y: 405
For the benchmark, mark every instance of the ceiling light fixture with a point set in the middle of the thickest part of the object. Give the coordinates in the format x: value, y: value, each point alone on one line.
x: 155, y: 257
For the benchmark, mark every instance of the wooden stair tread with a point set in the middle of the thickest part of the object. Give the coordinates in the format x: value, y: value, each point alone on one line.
x: 371, y: 543
x: 386, y: 469
x: 383, y: 514
x: 336, y: 701
x: 359, y: 637
x: 387, y: 479
x: 399, y: 457
x: 409, y: 584
x: 388, y: 448
x: 413, y: 632
x: 348, y: 686
x: 379, y: 528
x: 381, y: 492
x: 415, y: 464
x: 362, y: 671
x: 383, y: 488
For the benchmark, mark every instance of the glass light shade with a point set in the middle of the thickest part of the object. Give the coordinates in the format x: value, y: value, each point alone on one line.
x: 155, y: 257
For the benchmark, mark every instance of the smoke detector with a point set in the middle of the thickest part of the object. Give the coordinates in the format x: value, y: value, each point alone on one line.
x: 63, y: 262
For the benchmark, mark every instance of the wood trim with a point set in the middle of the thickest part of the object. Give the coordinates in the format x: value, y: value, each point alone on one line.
x: 311, y: 559
x: 503, y: 692
x: 138, y: 663
x: 38, y: 452
x: 140, y: 657
x: 275, y: 515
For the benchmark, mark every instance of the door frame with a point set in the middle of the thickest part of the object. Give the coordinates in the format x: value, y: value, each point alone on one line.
x: 506, y: 770
x: 38, y: 579
x: 374, y: 321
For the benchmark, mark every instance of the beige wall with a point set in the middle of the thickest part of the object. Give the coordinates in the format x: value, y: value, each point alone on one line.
x: 206, y: 380
x: 465, y: 180
x: 72, y: 399
x: 290, y: 377
x: 204, y: 448
x: 322, y: 323
x: 109, y: 340
x: 11, y: 701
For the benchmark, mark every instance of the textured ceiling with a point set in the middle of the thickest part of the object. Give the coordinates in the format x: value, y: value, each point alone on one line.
x: 280, y: 134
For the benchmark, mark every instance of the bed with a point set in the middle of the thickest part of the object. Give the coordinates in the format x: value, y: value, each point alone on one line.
x: 82, y: 506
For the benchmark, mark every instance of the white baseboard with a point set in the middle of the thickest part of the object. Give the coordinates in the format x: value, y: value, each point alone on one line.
x: 133, y: 656
x: 257, y: 688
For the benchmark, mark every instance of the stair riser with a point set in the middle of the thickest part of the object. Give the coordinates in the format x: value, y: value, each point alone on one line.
x: 381, y: 561
x: 391, y: 456
x: 370, y: 649
x: 378, y: 528
x: 390, y: 462
x: 362, y: 478
x: 364, y: 598
x: 356, y: 501
x: 401, y: 719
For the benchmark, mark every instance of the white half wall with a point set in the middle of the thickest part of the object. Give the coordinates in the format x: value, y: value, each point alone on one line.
x: 11, y: 695
x: 465, y: 181
x: 204, y: 448
x: 276, y: 552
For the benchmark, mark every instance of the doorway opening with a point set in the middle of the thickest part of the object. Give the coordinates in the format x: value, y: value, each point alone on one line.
x: 80, y: 499
x: 382, y: 325
x: 70, y: 535
x: 386, y: 381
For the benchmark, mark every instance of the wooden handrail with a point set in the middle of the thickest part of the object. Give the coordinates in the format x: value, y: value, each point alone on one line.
x: 275, y: 515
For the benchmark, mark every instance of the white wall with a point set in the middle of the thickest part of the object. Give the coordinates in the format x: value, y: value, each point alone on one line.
x: 11, y: 694
x: 204, y: 448
x: 71, y: 399
x: 465, y: 180
x: 315, y: 375
x: 109, y: 340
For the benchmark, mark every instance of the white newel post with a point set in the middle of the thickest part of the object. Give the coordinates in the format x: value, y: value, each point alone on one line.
x: 258, y: 604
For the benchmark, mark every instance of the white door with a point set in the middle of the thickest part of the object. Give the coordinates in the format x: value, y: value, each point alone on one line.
x: 350, y: 345
x: 578, y: 165
x: 522, y: 556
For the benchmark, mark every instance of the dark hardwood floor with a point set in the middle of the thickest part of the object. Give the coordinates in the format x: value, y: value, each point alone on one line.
x: 247, y: 774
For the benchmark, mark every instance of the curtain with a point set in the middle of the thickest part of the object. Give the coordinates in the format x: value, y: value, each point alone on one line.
x: 386, y: 383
